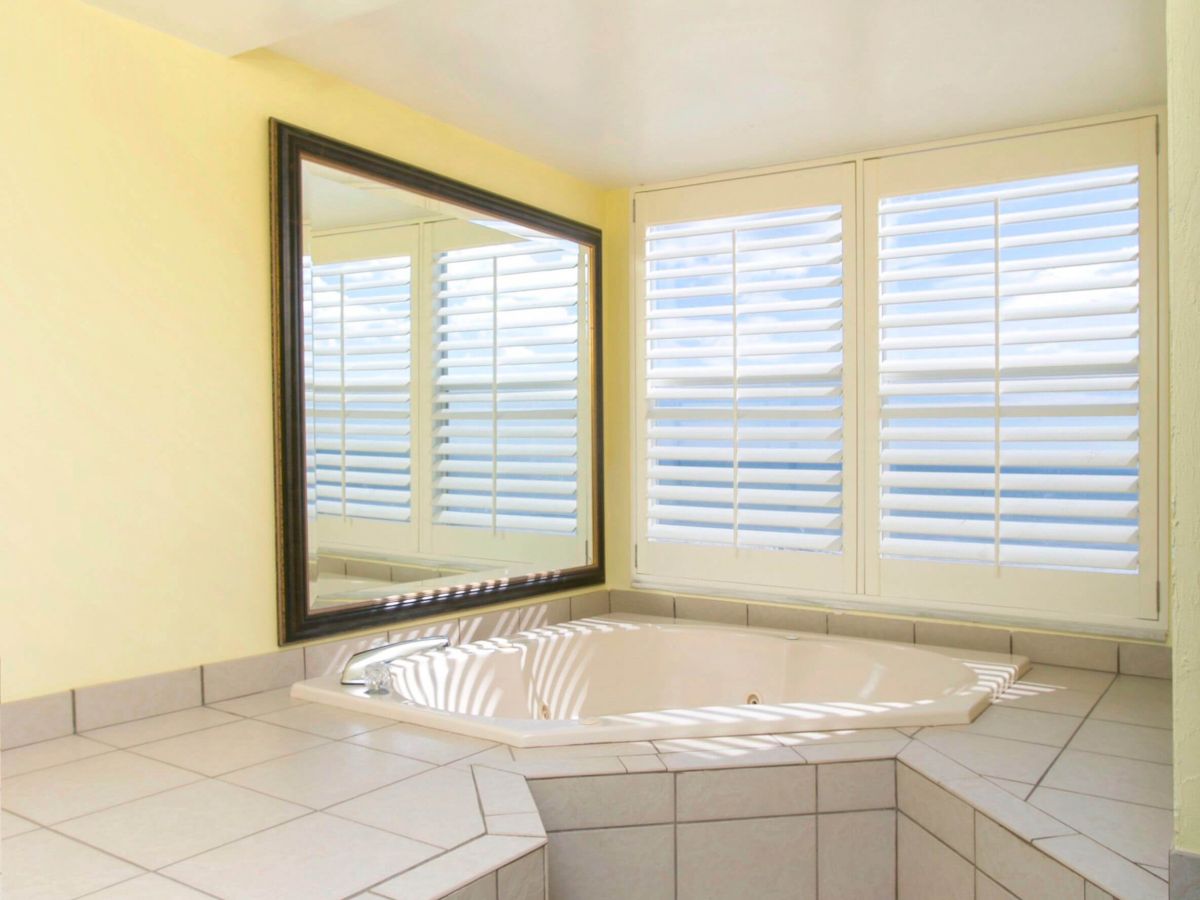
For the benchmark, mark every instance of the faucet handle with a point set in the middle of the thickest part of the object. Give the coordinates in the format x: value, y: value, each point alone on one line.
x: 379, y: 679
x: 355, y: 671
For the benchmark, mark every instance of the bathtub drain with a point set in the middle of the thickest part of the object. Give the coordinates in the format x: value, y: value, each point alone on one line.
x: 754, y: 699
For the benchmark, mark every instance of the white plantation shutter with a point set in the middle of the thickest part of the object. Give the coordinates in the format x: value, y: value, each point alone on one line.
x: 506, y: 418
x: 1014, y: 411
x: 358, y: 365
x: 742, y: 377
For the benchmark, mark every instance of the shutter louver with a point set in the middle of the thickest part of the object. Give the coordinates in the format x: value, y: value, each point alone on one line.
x: 1009, y: 373
x: 743, y: 381
x: 506, y: 391
x: 358, y: 361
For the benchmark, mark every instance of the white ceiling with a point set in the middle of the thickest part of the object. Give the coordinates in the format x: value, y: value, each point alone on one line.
x: 623, y: 92
x: 234, y: 26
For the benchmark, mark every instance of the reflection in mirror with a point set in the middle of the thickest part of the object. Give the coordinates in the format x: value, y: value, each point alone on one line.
x: 447, y: 393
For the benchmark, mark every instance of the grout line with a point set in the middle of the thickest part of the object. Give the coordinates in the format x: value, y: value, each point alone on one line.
x: 895, y: 829
x: 1095, y: 797
x: 675, y: 833
x: 135, y: 751
x: 1058, y: 755
x: 912, y: 821
x: 70, y: 837
x: 1096, y: 841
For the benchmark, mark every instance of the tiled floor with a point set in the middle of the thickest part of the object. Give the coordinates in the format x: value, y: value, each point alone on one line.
x: 255, y: 797
x: 264, y: 796
x: 1108, y: 775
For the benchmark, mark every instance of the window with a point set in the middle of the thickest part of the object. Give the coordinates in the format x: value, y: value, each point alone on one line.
x: 479, y: 461
x: 358, y: 392
x: 1004, y: 377
x: 507, y: 386
x: 1010, y: 385
x: 743, y: 410
x: 359, y: 389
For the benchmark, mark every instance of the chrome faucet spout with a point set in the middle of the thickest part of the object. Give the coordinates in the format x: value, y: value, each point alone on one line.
x: 355, y: 671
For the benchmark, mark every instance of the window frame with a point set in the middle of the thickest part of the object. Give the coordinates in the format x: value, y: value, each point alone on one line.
x: 815, y: 187
x: 1148, y: 620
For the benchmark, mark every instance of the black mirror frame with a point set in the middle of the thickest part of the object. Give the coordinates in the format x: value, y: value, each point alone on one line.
x: 289, y: 146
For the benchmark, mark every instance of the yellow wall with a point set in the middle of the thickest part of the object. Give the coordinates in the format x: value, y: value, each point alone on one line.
x: 1183, y: 165
x: 137, y: 532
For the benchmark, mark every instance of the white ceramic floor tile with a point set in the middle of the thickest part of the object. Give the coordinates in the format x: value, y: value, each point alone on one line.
x: 1014, y: 760
x: 1137, y: 701
x: 313, y: 858
x: 848, y: 787
x: 643, y: 763
x: 1052, y: 689
x: 1017, y: 788
x: 457, y: 868
x: 518, y: 824
x: 927, y: 869
x: 1020, y: 867
x: 581, y: 868
x: 260, y: 704
x: 75, y: 789
x: 404, y: 808
x: 856, y: 855
x: 326, y: 775
x: 216, y: 751
x: 165, y: 828
x: 155, y: 728
x: 426, y: 744
x: 148, y: 887
x: 498, y: 756
x: 502, y: 793
x: 1118, y: 876
x: 1045, y: 698
x: 45, y: 754
x: 1016, y: 815
x: 327, y: 721
x: 524, y: 878
x: 1119, y: 739
x: 42, y: 865
x: 1086, y: 680
x: 851, y: 750
x: 686, y: 761
x: 1015, y: 724
x: 564, y: 767
x: 937, y: 767
x: 607, y: 801
x: 626, y: 748
x: 1139, y: 833
x: 767, y: 859
x: 828, y: 738
x: 734, y: 744
x: 986, y: 889
x: 11, y: 825
x: 943, y: 815
x: 743, y: 793
x: 1115, y: 777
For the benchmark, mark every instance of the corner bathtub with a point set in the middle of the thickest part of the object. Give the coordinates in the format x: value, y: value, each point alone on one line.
x: 627, y: 677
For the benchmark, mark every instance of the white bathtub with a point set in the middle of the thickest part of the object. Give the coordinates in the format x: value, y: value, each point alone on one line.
x: 632, y: 677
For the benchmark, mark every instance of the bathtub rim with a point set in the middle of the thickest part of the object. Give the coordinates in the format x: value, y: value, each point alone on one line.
x: 960, y: 708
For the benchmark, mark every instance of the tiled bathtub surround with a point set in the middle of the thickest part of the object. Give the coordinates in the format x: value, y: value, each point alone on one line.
x: 27, y: 721
x: 1071, y: 765
x: 264, y: 796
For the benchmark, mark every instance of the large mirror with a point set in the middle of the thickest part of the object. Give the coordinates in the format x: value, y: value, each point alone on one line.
x: 436, y: 392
